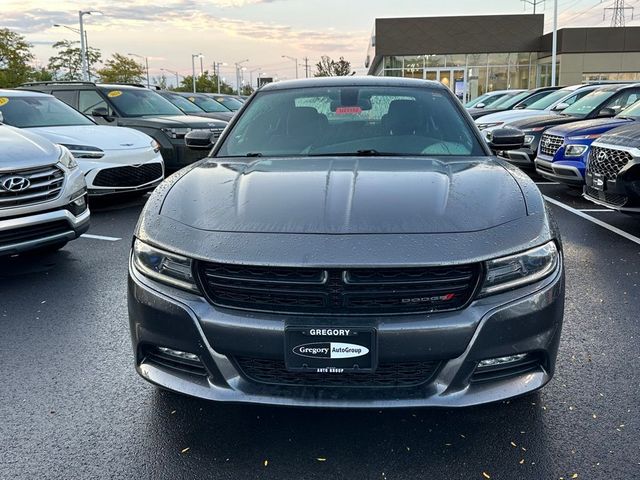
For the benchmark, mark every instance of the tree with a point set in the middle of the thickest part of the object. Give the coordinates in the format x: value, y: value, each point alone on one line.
x: 15, y: 55
x: 41, y: 75
x: 327, y: 67
x: 67, y: 63
x: 160, y: 81
x: 246, y: 90
x: 121, y: 69
x: 206, y: 83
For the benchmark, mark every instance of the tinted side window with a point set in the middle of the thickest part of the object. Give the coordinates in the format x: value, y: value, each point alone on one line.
x: 90, y: 100
x: 67, y: 96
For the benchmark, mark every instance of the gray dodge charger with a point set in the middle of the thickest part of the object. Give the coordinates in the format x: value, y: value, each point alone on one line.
x: 348, y: 242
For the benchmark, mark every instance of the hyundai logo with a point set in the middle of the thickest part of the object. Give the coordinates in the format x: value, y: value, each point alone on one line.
x: 602, y: 156
x: 15, y: 184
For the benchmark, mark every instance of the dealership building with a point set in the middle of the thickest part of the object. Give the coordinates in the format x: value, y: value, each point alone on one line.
x: 476, y: 54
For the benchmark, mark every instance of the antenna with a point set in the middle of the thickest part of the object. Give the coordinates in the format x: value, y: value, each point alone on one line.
x: 533, y: 3
x: 619, y: 10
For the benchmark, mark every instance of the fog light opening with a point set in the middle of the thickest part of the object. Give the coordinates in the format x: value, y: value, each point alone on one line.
x: 499, y: 361
x: 179, y: 354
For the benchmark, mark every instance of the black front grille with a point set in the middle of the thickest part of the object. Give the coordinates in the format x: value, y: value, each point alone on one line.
x: 549, y: 144
x: 390, y: 375
x: 608, y: 161
x: 545, y: 167
x: 359, y: 291
x: 32, y: 232
x: 128, y: 176
x: 613, y: 199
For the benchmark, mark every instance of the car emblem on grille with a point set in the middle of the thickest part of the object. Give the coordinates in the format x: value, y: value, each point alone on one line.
x: 602, y: 156
x: 598, y: 182
x: 15, y: 184
x: 546, y: 143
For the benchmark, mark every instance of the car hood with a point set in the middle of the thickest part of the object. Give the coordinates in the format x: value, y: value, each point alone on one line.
x: 103, y: 137
x: 588, y: 127
x: 543, y: 121
x: 508, y: 116
x: 22, y: 149
x: 625, y: 136
x: 476, y: 113
x: 225, y: 116
x: 173, y: 121
x: 346, y: 195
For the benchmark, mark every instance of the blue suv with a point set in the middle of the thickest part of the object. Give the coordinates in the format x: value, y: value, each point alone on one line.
x: 563, y: 150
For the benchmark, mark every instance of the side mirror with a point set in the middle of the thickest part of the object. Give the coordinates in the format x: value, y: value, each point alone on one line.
x: 102, y: 112
x: 480, y: 105
x: 607, y: 112
x: 200, y: 140
x: 559, y: 107
x: 502, y: 139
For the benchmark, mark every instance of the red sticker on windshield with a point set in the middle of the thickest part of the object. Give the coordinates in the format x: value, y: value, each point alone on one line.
x: 348, y: 110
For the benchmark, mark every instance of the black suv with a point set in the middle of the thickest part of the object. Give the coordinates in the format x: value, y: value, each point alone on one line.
x: 136, y: 107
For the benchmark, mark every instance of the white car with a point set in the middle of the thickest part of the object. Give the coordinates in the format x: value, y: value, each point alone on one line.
x: 113, y: 160
x: 555, y: 102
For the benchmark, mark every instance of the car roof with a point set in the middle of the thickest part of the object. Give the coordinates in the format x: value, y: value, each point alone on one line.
x: 53, y: 85
x: 355, y: 81
x: 6, y: 92
x: 616, y: 87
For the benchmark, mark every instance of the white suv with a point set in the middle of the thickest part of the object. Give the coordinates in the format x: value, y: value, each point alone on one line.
x: 43, y: 194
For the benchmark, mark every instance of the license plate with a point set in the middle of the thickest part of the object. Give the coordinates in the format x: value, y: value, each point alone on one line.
x: 330, y: 349
x: 598, y: 181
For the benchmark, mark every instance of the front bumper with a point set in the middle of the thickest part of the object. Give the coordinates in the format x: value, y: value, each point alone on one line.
x: 527, y: 320
x: 522, y: 157
x: 559, y: 172
x: 622, y: 193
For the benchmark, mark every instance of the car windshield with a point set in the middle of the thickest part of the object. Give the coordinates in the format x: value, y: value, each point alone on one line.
x: 207, y: 104
x: 230, y: 103
x: 25, y: 112
x: 351, y: 120
x: 588, y: 103
x: 511, y: 99
x: 182, y: 103
x: 138, y: 102
x: 487, y: 99
x: 548, y: 100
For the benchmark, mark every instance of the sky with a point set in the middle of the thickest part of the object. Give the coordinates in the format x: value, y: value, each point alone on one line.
x: 261, y: 31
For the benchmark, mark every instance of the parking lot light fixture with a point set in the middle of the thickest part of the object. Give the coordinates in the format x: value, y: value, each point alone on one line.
x: 193, y: 68
x: 554, y: 47
x: 83, y: 43
x: 293, y: 60
x: 146, y: 61
x: 175, y: 73
x: 238, y: 67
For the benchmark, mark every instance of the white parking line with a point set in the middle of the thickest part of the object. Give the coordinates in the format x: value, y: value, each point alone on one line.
x: 596, y: 210
x: 547, y: 183
x: 100, y: 237
x: 611, y: 228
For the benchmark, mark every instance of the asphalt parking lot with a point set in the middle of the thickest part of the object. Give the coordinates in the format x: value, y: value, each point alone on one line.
x: 73, y: 407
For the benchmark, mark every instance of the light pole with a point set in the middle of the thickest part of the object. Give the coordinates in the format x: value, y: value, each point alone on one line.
x: 146, y: 61
x: 216, y: 70
x: 193, y: 68
x: 554, y: 46
x: 86, y: 43
x: 294, y: 60
x: 83, y: 46
x: 238, y: 65
x: 175, y: 73
x: 251, y: 75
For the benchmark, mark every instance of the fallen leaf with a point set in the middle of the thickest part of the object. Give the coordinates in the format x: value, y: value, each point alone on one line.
x: 521, y: 462
x: 486, y: 475
x: 185, y: 450
x: 575, y: 475
x: 513, y: 444
x: 320, y: 459
x: 266, y: 462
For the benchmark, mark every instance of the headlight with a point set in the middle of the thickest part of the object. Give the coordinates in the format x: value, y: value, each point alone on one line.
x: 67, y: 159
x: 528, y: 139
x: 484, y: 126
x: 84, y: 151
x: 176, y: 132
x: 575, y: 150
x: 521, y: 269
x: 155, y: 145
x: 165, y: 267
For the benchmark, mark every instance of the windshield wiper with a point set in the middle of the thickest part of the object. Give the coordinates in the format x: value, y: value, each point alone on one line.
x: 253, y: 154
x: 358, y: 153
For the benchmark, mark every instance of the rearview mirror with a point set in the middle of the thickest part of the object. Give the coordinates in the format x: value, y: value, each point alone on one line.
x: 559, y: 107
x: 200, y: 140
x: 606, y: 112
x: 502, y: 139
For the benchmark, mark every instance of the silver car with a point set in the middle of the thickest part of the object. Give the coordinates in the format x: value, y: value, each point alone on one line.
x: 43, y: 194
